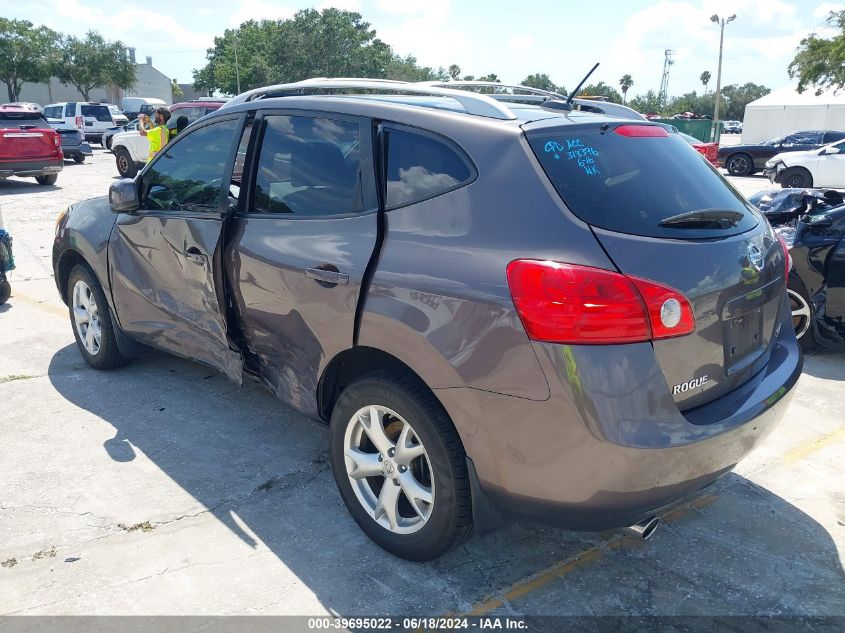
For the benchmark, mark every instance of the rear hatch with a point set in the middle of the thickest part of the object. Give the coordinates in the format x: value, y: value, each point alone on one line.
x: 641, y: 189
x: 26, y: 136
x: 95, y: 118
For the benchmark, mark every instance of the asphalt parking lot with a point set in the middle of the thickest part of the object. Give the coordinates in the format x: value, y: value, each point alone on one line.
x: 162, y: 488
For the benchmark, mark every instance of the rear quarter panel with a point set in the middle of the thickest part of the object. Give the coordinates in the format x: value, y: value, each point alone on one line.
x: 85, y: 231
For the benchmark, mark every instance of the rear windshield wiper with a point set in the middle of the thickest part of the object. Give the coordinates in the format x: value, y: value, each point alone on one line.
x: 704, y: 218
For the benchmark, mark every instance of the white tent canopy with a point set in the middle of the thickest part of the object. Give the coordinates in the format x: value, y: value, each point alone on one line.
x: 785, y: 110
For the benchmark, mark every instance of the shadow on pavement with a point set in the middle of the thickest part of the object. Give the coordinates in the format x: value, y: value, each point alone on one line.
x: 252, y: 461
x: 826, y: 364
x: 17, y: 186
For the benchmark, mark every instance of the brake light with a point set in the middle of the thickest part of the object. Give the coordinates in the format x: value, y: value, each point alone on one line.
x: 565, y: 303
x: 56, y: 140
x: 787, y: 258
x: 79, y: 122
x: 641, y: 131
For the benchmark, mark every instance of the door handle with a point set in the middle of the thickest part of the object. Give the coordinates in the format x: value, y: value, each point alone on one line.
x: 327, y: 276
x: 196, y: 255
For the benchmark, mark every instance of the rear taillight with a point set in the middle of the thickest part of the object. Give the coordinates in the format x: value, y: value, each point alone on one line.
x: 565, y: 303
x: 787, y: 258
x: 79, y: 122
x: 57, y: 141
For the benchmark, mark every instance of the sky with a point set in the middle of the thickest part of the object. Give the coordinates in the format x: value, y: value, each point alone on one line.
x: 562, y: 38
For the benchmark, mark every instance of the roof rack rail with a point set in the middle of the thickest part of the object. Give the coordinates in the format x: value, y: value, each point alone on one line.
x: 495, y: 84
x: 474, y: 103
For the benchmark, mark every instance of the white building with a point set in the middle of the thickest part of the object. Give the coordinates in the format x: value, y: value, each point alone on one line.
x: 149, y: 82
x: 785, y: 110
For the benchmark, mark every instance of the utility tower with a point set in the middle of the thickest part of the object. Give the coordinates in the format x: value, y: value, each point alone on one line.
x: 663, y: 97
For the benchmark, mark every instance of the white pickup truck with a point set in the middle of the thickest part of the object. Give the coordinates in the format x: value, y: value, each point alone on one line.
x: 130, y: 151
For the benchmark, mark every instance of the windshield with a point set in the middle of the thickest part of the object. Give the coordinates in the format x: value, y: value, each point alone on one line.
x: 623, y: 181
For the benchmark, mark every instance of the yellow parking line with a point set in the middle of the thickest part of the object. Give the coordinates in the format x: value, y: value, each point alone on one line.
x: 47, y: 307
x: 531, y: 583
x: 802, y: 451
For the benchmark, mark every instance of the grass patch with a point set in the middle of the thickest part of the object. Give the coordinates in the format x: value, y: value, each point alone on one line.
x: 12, y: 377
x: 146, y: 526
x: 9, y: 562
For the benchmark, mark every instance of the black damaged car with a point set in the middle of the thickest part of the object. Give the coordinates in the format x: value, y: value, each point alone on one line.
x: 744, y: 160
x: 812, y: 224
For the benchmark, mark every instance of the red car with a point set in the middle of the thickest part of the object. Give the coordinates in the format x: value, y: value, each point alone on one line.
x: 710, y: 151
x: 28, y: 145
x: 193, y: 110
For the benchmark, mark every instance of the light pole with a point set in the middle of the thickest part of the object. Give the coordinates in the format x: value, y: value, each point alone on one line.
x: 238, y: 69
x: 721, y: 22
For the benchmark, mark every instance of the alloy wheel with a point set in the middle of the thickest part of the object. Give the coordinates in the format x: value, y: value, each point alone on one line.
x: 738, y: 166
x: 86, y: 317
x: 801, y: 313
x: 389, y: 469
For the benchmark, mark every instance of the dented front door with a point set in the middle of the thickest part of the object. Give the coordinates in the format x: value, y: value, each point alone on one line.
x: 164, y: 260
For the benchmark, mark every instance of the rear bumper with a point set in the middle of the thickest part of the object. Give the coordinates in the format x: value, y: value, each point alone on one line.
x: 83, y: 149
x: 94, y: 136
x: 31, y: 168
x: 609, y: 446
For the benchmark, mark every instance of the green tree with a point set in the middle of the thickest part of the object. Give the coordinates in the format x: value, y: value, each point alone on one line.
x: 93, y: 62
x: 469, y: 77
x: 175, y: 90
x: 649, y: 103
x: 27, y: 53
x: 625, y: 84
x: 820, y: 62
x: 454, y: 72
x: 705, y: 79
x: 736, y: 97
x: 601, y: 89
x: 540, y: 81
x: 702, y: 105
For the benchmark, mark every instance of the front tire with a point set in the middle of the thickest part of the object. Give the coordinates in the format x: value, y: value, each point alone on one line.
x: 400, y: 466
x: 78, y: 159
x: 5, y: 290
x: 740, y: 165
x: 49, y: 179
x: 125, y: 165
x: 90, y: 319
x: 796, y: 178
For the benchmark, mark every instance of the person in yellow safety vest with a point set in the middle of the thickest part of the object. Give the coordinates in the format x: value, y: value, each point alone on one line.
x: 157, y: 134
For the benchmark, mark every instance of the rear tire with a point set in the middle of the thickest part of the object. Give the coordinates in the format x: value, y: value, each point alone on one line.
x: 125, y: 165
x: 90, y: 319
x: 49, y: 179
x: 796, y: 178
x: 417, y: 450
x: 5, y: 291
x: 739, y: 165
x: 78, y: 159
x: 802, y: 313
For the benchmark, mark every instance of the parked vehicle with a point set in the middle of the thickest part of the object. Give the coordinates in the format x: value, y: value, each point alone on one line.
x: 117, y: 116
x: 29, y: 146
x: 91, y: 118
x: 194, y: 110
x: 74, y: 145
x: 492, y: 305
x: 732, y: 127
x: 812, y: 223
x: 744, y: 160
x: 35, y: 107
x: 130, y: 150
x: 133, y: 106
x: 824, y: 167
x: 710, y: 151
x: 108, y: 135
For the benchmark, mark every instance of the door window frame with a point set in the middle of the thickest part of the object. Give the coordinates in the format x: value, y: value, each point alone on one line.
x: 222, y: 197
x: 367, y: 169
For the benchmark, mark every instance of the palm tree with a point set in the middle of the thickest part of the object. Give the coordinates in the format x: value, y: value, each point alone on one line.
x: 625, y: 83
x: 705, y: 79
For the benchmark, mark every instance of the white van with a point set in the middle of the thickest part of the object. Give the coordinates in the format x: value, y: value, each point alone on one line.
x: 133, y: 106
x: 90, y: 118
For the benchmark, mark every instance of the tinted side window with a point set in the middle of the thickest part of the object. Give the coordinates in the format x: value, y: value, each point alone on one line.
x: 421, y: 167
x: 832, y: 137
x: 99, y: 112
x: 189, y: 175
x: 53, y: 112
x: 191, y: 113
x: 308, y: 166
x: 70, y: 109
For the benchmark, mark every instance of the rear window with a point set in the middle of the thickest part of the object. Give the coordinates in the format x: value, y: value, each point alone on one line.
x: 630, y: 184
x: 14, y: 120
x: 99, y: 112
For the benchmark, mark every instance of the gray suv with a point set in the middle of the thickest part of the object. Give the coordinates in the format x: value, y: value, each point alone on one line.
x: 499, y: 309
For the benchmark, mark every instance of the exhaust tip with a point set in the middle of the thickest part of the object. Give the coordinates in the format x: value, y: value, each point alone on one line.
x: 643, y: 530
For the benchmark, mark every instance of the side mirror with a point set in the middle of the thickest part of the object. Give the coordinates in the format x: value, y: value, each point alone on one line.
x: 123, y: 196
x: 828, y: 151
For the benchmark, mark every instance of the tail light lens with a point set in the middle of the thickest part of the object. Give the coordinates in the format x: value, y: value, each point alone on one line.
x: 79, y: 122
x: 787, y: 258
x: 642, y: 131
x: 565, y: 303
x: 56, y: 140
